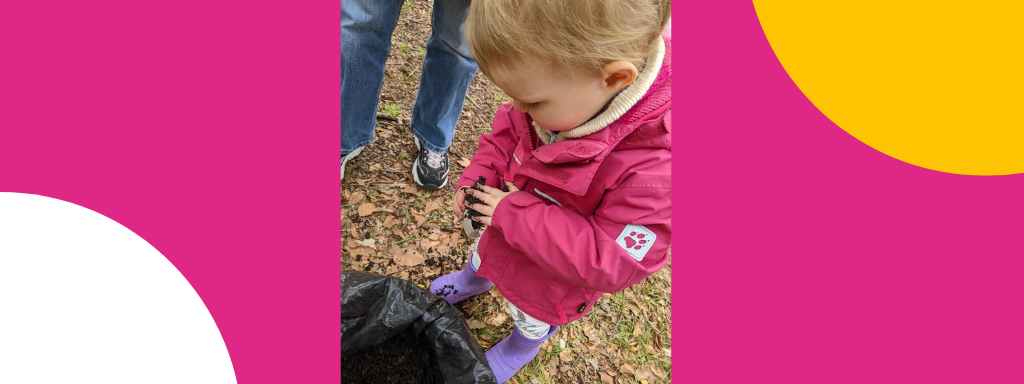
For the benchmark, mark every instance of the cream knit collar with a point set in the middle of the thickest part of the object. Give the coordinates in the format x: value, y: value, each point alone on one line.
x: 621, y: 103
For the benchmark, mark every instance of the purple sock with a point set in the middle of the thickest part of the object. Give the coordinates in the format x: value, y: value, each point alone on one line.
x: 457, y: 286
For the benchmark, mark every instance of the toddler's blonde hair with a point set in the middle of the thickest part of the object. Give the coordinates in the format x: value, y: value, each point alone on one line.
x: 572, y: 35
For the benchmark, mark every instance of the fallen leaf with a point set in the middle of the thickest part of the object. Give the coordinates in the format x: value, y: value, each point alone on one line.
x: 464, y: 162
x: 367, y: 243
x: 627, y: 369
x: 409, y: 258
x: 434, y: 236
x: 389, y: 222
x: 605, y: 379
x: 667, y: 352
x: 365, y: 209
x: 566, y: 355
x: 638, y: 330
x: 498, y: 319
x: 410, y: 189
x: 431, y: 206
x: 647, y: 375
x: 612, y: 373
x: 431, y: 271
x: 476, y: 324
x: 356, y: 198
x: 425, y: 244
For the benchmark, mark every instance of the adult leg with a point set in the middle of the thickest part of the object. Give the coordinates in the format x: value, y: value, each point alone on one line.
x: 366, y: 27
x: 447, y: 71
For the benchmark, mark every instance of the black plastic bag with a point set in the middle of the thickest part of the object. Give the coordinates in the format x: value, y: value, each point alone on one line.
x: 376, y: 308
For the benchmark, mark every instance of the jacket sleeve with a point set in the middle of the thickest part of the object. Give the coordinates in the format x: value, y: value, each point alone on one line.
x: 494, y: 152
x: 592, y: 251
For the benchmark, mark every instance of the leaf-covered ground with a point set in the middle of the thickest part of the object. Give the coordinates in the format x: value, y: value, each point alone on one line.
x: 392, y: 227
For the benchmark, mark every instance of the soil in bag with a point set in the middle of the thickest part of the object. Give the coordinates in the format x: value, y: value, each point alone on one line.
x: 392, y: 362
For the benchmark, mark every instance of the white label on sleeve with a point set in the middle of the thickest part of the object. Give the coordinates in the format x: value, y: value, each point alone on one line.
x: 636, y: 240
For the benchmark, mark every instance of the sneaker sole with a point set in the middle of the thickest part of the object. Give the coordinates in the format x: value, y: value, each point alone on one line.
x: 416, y: 173
x: 348, y: 157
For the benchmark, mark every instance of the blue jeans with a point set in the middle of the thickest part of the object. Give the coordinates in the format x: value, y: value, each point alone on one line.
x: 366, y: 27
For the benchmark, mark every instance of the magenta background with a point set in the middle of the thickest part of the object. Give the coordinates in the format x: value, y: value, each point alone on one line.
x: 804, y: 256
x: 801, y: 254
x: 210, y: 129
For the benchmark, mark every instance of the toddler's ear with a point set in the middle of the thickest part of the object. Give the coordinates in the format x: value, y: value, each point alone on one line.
x: 618, y: 75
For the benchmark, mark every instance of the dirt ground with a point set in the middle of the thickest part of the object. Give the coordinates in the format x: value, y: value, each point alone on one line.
x: 392, y: 227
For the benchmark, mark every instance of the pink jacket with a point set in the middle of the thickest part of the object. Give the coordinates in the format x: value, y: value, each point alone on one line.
x: 592, y: 215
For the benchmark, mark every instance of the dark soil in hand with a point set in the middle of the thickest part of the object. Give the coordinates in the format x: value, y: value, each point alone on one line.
x: 393, y: 362
x: 470, y: 212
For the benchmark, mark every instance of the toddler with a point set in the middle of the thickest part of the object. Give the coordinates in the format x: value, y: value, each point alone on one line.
x: 584, y: 150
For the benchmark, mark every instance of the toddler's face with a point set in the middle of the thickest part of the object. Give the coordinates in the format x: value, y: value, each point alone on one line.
x: 556, y: 102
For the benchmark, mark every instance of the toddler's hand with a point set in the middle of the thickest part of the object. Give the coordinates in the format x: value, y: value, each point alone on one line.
x: 460, y: 202
x: 491, y: 197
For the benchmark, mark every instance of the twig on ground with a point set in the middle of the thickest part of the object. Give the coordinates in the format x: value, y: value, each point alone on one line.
x: 474, y: 102
x: 384, y: 116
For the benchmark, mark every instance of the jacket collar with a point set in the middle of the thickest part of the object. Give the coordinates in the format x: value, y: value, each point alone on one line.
x: 572, y: 164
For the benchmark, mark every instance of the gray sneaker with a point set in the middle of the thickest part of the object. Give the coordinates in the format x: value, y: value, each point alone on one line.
x: 346, y: 158
x: 430, y: 170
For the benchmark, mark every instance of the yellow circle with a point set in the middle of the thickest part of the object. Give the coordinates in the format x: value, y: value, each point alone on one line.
x: 935, y: 84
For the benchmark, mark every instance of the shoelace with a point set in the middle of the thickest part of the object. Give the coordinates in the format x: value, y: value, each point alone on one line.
x: 434, y: 159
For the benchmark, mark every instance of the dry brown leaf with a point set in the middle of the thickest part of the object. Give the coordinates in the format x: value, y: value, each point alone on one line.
x: 647, y: 374
x: 409, y: 258
x: 638, y: 330
x: 367, y: 243
x: 432, y: 205
x: 498, y: 319
x: 475, y: 324
x: 434, y: 236
x: 464, y: 162
x: 431, y: 271
x: 356, y: 198
x: 425, y: 244
x: 389, y: 222
x: 627, y: 369
x: 410, y: 189
x: 605, y: 379
x: 366, y: 209
x: 566, y: 355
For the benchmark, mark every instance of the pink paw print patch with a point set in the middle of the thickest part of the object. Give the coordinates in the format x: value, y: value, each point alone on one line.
x: 636, y: 240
